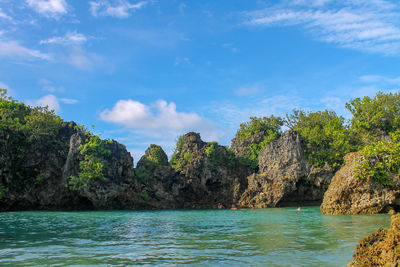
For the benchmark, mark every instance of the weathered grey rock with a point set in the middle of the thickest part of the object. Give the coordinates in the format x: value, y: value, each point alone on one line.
x: 211, y: 176
x: 380, y: 248
x: 285, y: 177
x: 241, y: 147
x: 38, y: 178
x: 347, y: 195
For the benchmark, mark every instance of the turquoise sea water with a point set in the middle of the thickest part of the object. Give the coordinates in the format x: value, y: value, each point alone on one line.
x: 268, y: 237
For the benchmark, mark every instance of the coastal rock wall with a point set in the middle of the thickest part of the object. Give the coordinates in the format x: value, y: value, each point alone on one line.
x: 347, y: 195
x: 285, y: 177
x: 206, y: 174
x: 381, y: 248
x: 38, y: 177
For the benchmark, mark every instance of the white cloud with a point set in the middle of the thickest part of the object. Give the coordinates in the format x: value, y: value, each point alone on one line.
x: 159, y: 121
x: 49, y: 86
x: 49, y: 8
x: 51, y: 101
x: 71, y: 38
x: 82, y: 59
x: 371, y: 26
x: 13, y: 49
x: 5, y: 16
x: 119, y: 9
x: 380, y: 79
x: 68, y: 100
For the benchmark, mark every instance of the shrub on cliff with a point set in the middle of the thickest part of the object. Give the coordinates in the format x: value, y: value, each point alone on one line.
x: 327, y: 138
x: 380, y: 160
x: 92, y: 165
x: 253, y: 136
x: 175, y: 162
x: 153, y: 158
x: 25, y: 130
x: 374, y: 118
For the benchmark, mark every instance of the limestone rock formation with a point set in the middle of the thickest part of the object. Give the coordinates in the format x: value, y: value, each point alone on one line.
x: 211, y: 174
x: 347, y: 195
x: 285, y: 177
x: 241, y: 147
x: 381, y: 248
x: 38, y: 177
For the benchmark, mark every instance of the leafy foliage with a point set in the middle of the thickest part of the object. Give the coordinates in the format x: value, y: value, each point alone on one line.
x: 26, y: 130
x: 327, y: 138
x: 92, y: 166
x: 144, y: 196
x: 268, y: 127
x: 380, y: 160
x: 175, y: 162
x: 155, y: 157
x: 374, y: 118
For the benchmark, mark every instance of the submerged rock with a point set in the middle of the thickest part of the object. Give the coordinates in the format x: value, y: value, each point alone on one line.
x: 285, y: 177
x: 381, y: 248
x: 347, y: 195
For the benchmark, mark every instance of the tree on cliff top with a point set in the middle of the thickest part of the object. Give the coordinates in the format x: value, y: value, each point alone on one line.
x: 327, y: 138
x: 253, y: 136
x: 374, y: 118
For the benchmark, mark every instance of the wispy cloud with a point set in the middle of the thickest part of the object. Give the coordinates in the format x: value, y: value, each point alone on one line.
x: 71, y: 38
x: 181, y: 61
x: 119, y: 9
x: 5, y: 16
x: 49, y: 8
x: 14, y: 50
x: 51, y: 101
x: 372, y: 26
x: 83, y: 59
x: 49, y: 86
x: 248, y: 90
x: 380, y: 79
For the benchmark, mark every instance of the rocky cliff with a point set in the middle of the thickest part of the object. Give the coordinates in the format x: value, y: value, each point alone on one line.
x: 209, y: 174
x: 381, y: 248
x: 285, y: 177
x: 347, y: 195
x: 37, y: 177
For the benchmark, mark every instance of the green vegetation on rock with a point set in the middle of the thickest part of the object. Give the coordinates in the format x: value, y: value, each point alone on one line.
x: 380, y: 160
x: 268, y: 127
x: 175, y: 161
x: 374, y: 118
x: 92, y: 166
x: 26, y: 130
x: 327, y: 138
x: 154, y: 157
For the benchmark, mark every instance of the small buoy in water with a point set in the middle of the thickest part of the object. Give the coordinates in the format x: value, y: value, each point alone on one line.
x: 299, y: 209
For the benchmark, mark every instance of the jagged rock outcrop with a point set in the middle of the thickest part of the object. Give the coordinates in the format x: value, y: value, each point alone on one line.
x: 241, y: 146
x: 347, y: 195
x: 285, y: 177
x: 211, y: 174
x: 38, y: 177
x: 117, y: 191
x: 381, y: 248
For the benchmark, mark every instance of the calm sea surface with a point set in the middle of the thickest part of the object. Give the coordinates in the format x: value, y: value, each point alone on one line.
x: 268, y: 237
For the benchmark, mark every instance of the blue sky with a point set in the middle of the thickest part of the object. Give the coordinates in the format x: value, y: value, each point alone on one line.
x: 147, y: 71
